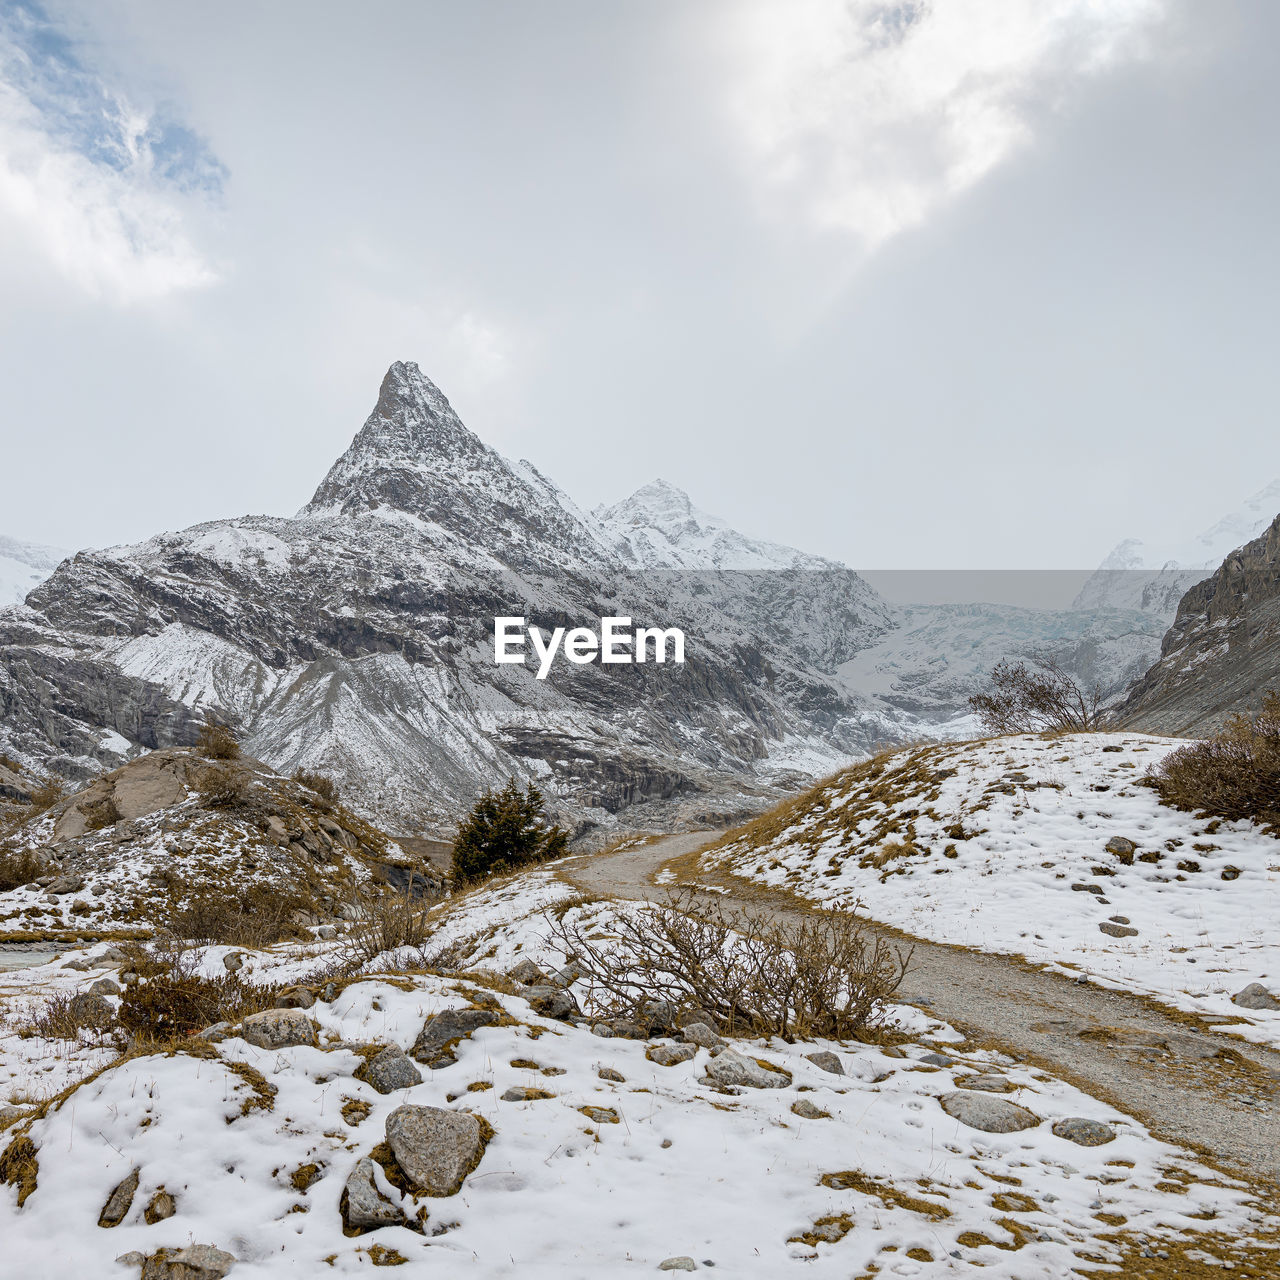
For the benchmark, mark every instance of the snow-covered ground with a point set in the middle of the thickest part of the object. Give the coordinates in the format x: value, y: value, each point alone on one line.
x: 1001, y: 845
x: 876, y: 1178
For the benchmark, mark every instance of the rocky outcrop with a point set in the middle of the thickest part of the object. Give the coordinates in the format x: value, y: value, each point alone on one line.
x: 1222, y: 652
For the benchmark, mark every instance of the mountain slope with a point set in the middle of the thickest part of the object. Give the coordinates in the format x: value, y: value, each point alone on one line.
x: 23, y: 566
x: 1222, y: 651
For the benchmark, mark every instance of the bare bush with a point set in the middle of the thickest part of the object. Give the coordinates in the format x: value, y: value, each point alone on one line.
x: 66, y: 1016
x: 18, y: 868
x: 322, y: 785
x: 256, y: 915
x: 217, y: 742
x: 825, y: 974
x: 45, y: 795
x: 1035, y: 697
x: 1234, y: 774
x: 388, y: 923
x: 224, y: 786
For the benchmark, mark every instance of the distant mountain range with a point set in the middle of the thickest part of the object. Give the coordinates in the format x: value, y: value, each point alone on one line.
x: 24, y: 565
x: 356, y: 638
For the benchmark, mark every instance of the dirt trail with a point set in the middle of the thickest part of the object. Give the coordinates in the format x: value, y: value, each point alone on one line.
x: 1190, y: 1085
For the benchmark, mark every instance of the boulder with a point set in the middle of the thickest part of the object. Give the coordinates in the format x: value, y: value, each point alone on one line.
x: 700, y: 1034
x: 440, y: 1033
x: 363, y: 1206
x: 296, y: 998
x: 986, y: 1082
x: 1114, y: 930
x: 195, y: 1262
x: 143, y: 787
x: 524, y: 1093
x: 807, y: 1110
x: 1121, y: 849
x: 1256, y: 996
x: 527, y: 974
x: 681, y: 1263
x: 278, y: 1029
x: 62, y: 885
x: 119, y: 1201
x: 105, y: 987
x: 551, y: 1001
x: 160, y: 1208
x: 1083, y: 1132
x: 991, y: 1115
x: 233, y: 961
x: 390, y: 1071
x: 732, y: 1068
x: 91, y: 1010
x: 435, y: 1149
x: 825, y: 1060
x: 670, y: 1055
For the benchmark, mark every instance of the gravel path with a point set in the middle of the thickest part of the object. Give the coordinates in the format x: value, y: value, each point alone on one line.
x: 1189, y: 1085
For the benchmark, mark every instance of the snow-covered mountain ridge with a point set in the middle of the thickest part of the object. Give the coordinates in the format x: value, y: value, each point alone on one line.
x: 23, y: 566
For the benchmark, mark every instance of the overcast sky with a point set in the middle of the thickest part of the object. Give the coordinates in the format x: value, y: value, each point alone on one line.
x: 951, y: 283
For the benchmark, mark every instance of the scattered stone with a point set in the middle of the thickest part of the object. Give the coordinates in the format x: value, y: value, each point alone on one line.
x: 625, y: 1030
x: 1230, y: 873
x: 296, y: 998
x: 733, y: 1068
x: 551, y: 1001
x: 937, y: 1060
x: 233, y: 961
x: 527, y: 974
x: 525, y: 1093
x: 689, y: 1016
x: 195, y: 1262
x: 807, y: 1111
x: 435, y: 1148
x: 565, y: 977
x: 439, y: 1034
x: 1119, y: 919
x: 987, y: 1082
x: 278, y: 1029
x: 326, y: 931
x: 1121, y: 849
x: 825, y: 1060
x: 608, y: 1073
x: 601, y: 1115
x: 215, y: 1034
x: 61, y: 885
x: 1256, y: 996
x: 602, y: 1029
x: 105, y: 987
x: 991, y: 1115
x: 700, y: 1034
x: 1087, y: 888
x: 1117, y: 930
x: 10, y: 1115
x: 1112, y: 747
x: 390, y: 1071
x: 364, y: 1207
x: 671, y: 1055
x: 678, y: 1264
x: 161, y: 1207
x: 119, y: 1201
x: 1084, y: 1133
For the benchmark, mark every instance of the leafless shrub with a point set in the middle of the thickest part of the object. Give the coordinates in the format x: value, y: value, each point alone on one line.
x: 255, y: 915
x: 63, y: 1017
x: 824, y: 974
x: 45, y: 795
x: 100, y: 814
x: 1234, y: 774
x: 18, y: 868
x: 1034, y: 697
x: 224, y: 786
x: 387, y: 923
x: 217, y: 742
x: 321, y: 784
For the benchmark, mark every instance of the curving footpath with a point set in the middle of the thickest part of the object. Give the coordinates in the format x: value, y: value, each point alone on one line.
x: 1189, y: 1084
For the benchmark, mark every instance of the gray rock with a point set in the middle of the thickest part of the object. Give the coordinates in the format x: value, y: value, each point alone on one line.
x: 551, y: 1002
x: 825, y: 1060
x: 527, y: 974
x: 700, y: 1034
x: 807, y: 1110
x: 991, y: 1115
x: 440, y: 1033
x: 278, y: 1029
x: 364, y: 1207
x: 105, y: 987
x: 670, y: 1055
x: 986, y: 1082
x: 435, y: 1148
x: 1114, y: 930
x: 66, y: 884
x: 604, y: 1073
x: 120, y: 1200
x: 1084, y: 1133
x: 524, y: 1093
x: 602, y: 1029
x: 215, y: 1034
x: 1122, y: 849
x: 1256, y: 996
x: 11, y: 1115
x: 565, y: 977
x: 296, y: 998
x: 390, y: 1071
x: 626, y: 1030
x: 689, y: 1016
x: 233, y: 961
x: 161, y: 1208
x: 937, y: 1060
x: 678, y: 1264
x: 732, y: 1068
x: 195, y: 1262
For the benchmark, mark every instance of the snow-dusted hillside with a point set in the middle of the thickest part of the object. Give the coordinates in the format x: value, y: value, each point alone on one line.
x: 23, y: 566
x: 568, y: 1151
x: 1003, y: 845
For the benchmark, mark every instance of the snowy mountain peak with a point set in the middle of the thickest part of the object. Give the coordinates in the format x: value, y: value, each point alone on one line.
x: 23, y: 566
x: 658, y: 503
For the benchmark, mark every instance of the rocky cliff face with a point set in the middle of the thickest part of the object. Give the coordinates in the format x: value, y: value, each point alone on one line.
x: 1222, y: 651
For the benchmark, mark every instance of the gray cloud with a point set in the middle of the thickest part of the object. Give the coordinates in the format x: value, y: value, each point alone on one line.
x: 559, y: 212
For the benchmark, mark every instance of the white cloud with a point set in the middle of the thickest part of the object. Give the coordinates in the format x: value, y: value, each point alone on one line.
x: 875, y: 114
